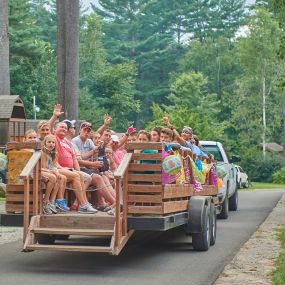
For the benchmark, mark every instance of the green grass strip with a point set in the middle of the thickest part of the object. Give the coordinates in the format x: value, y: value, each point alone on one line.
x: 278, y: 275
x: 260, y: 185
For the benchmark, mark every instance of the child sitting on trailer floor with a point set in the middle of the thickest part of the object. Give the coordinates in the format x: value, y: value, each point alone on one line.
x: 56, y: 181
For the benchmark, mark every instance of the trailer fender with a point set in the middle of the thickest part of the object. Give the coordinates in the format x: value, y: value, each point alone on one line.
x: 196, y: 212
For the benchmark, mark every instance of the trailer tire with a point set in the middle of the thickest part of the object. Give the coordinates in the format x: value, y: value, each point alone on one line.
x: 201, y: 241
x: 213, y: 224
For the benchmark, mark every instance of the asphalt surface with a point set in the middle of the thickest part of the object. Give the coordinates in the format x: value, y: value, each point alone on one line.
x: 151, y: 258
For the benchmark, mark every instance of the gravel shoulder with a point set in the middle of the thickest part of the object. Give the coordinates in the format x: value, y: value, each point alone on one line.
x: 256, y: 258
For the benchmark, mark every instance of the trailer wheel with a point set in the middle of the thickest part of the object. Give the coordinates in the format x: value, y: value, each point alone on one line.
x: 45, y: 239
x: 201, y: 241
x: 213, y: 216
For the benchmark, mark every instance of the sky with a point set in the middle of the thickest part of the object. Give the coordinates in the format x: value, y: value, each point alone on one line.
x: 86, y: 3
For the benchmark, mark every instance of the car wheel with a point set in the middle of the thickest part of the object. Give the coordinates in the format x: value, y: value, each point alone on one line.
x: 246, y: 185
x: 213, y: 224
x: 224, y: 214
x: 240, y: 185
x: 233, y: 201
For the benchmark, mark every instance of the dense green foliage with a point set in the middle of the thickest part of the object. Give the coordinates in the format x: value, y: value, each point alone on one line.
x: 206, y: 63
x: 279, y: 176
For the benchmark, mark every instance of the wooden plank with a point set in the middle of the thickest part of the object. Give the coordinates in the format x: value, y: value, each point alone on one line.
x: 207, y: 190
x: 77, y: 221
x: 125, y: 205
x: 177, y: 190
x: 17, y: 198
x: 64, y: 231
x: 119, y: 173
x: 14, y: 188
x: 145, y: 177
x: 123, y: 242
x: 72, y: 248
x: 118, y: 220
x: 145, y: 198
x: 145, y: 210
x: 30, y: 238
x: 147, y: 156
x: 144, y: 167
x: 145, y: 188
x: 140, y: 146
x: 26, y: 207
x: 15, y: 208
x: 24, y: 145
x: 175, y: 206
x: 28, y: 169
x: 35, y: 187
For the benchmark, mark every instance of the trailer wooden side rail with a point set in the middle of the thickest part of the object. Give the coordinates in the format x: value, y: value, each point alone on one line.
x: 147, y: 204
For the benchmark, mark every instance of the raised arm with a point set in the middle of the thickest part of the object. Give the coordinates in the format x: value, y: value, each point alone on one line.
x: 56, y: 113
x: 179, y: 139
x: 107, y: 121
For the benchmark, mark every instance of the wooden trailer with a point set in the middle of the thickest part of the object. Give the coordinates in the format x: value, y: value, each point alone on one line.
x: 147, y: 205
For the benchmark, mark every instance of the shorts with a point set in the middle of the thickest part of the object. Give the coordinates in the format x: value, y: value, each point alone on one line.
x: 86, y: 175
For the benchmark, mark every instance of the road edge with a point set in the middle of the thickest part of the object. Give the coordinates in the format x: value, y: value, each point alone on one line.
x: 256, y: 258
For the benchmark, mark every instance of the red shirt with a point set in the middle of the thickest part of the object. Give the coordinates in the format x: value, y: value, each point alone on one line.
x: 65, y: 152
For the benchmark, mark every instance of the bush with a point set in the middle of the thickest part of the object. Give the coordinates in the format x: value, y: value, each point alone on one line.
x: 261, y: 169
x: 279, y: 176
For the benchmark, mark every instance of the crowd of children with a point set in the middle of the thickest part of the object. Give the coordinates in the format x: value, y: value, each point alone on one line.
x: 91, y: 158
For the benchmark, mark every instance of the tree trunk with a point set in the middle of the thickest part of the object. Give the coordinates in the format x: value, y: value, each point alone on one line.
x: 68, y: 56
x: 4, y: 49
x: 263, y: 116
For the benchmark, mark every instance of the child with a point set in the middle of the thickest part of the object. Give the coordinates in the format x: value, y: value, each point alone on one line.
x: 166, y: 135
x: 155, y: 134
x: 30, y: 136
x: 145, y: 137
x: 57, y: 182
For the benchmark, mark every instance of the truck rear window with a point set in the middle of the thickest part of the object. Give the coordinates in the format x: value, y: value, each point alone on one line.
x: 214, y: 150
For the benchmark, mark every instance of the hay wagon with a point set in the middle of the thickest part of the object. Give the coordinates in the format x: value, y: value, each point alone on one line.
x: 147, y: 204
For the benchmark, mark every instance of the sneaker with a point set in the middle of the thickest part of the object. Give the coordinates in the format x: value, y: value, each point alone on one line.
x: 46, y: 208
x: 87, y: 209
x: 61, y: 205
x: 53, y: 207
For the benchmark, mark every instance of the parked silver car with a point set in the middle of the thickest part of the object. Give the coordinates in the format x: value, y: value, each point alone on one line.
x: 242, y: 178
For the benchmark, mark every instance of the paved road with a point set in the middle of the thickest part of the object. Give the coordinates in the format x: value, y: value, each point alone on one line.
x: 166, y: 258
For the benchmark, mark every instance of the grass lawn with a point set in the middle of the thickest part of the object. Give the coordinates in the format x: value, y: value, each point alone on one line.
x: 2, y: 199
x: 278, y: 275
x: 260, y: 185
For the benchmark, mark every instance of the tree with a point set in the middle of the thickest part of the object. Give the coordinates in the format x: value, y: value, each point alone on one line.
x: 109, y: 86
x: 278, y: 6
x: 4, y: 49
x: 258, y: 55
x: 68, y: 56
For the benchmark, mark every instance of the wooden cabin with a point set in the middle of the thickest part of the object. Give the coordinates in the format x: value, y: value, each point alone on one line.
x: 12, y: 119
